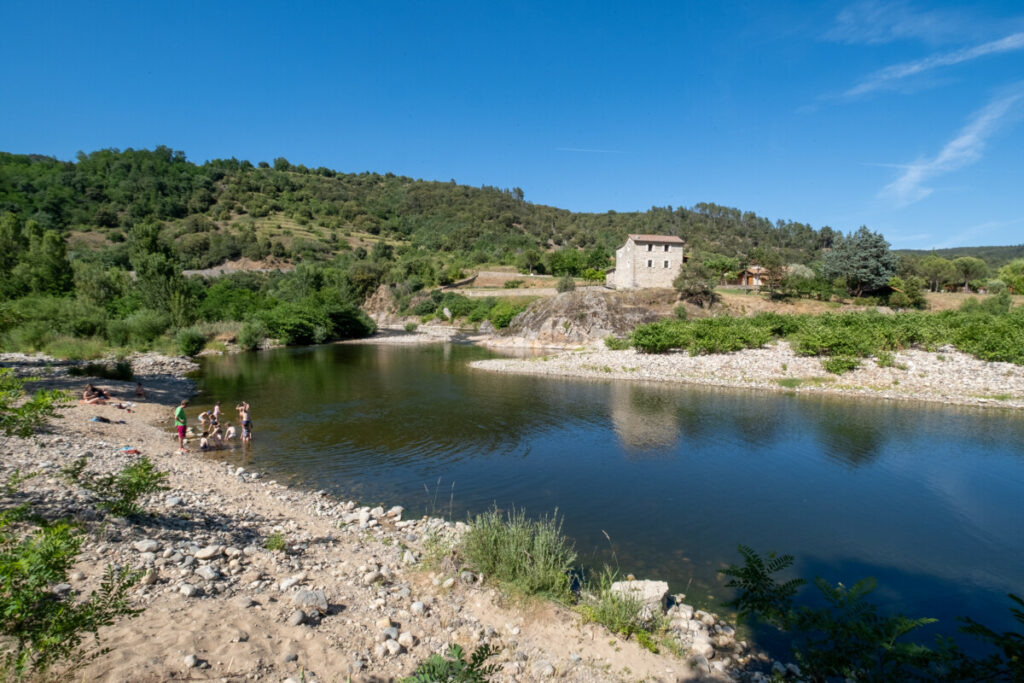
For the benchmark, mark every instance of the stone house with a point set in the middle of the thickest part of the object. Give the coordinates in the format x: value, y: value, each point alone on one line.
x: 647, y: 261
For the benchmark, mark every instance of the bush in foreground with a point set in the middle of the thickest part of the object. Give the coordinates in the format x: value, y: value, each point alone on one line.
x: 48, y: 627
x: 621, y: 613
x: 20, y: 417
x: 454, y: 668
x: 851, y: 638
x: 531, y: 556
x: 119, y: 492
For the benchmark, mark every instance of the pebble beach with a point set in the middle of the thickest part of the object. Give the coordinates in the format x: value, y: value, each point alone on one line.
x: 349, y: 595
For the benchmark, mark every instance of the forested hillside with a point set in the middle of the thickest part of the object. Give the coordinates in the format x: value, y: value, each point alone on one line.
x: 93, y: 253
x: 224, y: 209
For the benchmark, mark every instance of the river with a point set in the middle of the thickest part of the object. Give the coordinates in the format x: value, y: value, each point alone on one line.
x: 661, y: 481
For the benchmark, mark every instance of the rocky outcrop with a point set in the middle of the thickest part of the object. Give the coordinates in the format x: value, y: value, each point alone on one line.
x: 578, y: 317
x: 382, y: 307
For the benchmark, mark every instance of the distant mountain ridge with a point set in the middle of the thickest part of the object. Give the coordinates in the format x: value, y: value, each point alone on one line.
x: 994, y: 256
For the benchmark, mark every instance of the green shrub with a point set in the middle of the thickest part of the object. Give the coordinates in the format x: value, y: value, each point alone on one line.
x: 275, y: 542
x: 252, y: 335
x: 74, y: 348
x: 118, y: 493
x: 503, y: 312
x: 617, y: 612
x: 533, y: 557
x: 848, y: 638
x: 33, y: 335
x: 411, y: 327
x: 144, y: 326
x: 454, y: 668
x: 514, y: 284
x: 425, y: 307
x: 565, y: 284
x: 48, y: 627
x: 119, y: 370
x: 616, y: 344
x: 19, y: 417
x: 481, y: 309
x: 680, y: 312
x: 190, y: 341
x: 838, y: 365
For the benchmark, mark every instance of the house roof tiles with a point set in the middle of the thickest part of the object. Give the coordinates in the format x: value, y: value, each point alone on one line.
x: 659, y: 239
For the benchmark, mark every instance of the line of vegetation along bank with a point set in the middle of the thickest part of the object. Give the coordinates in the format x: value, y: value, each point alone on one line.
x: 989, y: 330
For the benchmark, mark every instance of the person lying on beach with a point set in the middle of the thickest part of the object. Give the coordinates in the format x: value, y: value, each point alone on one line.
x: 94, y: 395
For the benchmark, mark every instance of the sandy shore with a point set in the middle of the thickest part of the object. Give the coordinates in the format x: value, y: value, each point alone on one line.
x: 946, y: 376
x: 219, y: 606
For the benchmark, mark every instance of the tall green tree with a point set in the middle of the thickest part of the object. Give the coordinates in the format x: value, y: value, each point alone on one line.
x: 863, y: 259
x: 970, y: 268
x: 44, y: 266
x: 1013, y: 275
x: 720, y: 265
x: 937, y: 271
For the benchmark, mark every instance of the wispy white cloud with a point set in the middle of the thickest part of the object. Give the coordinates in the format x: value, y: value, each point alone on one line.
x: 589, y: 151
x: 874, y: 23
x: 897, y: 72
x: 963, y: 150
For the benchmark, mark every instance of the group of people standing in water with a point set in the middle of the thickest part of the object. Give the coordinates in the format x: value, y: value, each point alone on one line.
x: 214, y: 434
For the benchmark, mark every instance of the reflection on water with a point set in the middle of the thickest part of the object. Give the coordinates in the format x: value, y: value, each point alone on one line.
x: 643, y: 418
x: 926, y: 498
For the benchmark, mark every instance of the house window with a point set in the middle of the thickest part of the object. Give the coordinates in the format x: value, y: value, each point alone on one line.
x: 650, y: 263
x: 666, y: 264
x: 666, y: 247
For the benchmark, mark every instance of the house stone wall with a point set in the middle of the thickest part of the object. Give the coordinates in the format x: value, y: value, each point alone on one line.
x: 636, y: 267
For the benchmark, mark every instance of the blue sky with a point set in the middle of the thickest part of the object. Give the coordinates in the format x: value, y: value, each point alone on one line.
x: 907, y: 117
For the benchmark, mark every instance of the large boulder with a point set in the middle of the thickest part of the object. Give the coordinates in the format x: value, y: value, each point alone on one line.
x: 650, y: 594
x: 382, y: 307
x: 578, y: 317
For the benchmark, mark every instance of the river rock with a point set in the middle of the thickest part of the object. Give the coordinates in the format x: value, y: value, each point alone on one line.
x: 297, y: 618
x: 393, y: 647
x: 650, y: 594
x: 406, y: 639
x: 702, y: 646
x: 188, y: 590
x: 307, y: 599
x: 210, y: 552
x: 147, y: 546
x: 208, y: 572
x: 418, y: 608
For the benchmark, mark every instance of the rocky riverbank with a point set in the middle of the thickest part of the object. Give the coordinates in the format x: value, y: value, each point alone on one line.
x: 946, y: 376
x: 345, y: 594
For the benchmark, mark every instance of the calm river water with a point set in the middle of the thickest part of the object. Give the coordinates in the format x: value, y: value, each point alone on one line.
x: 927, y: 499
